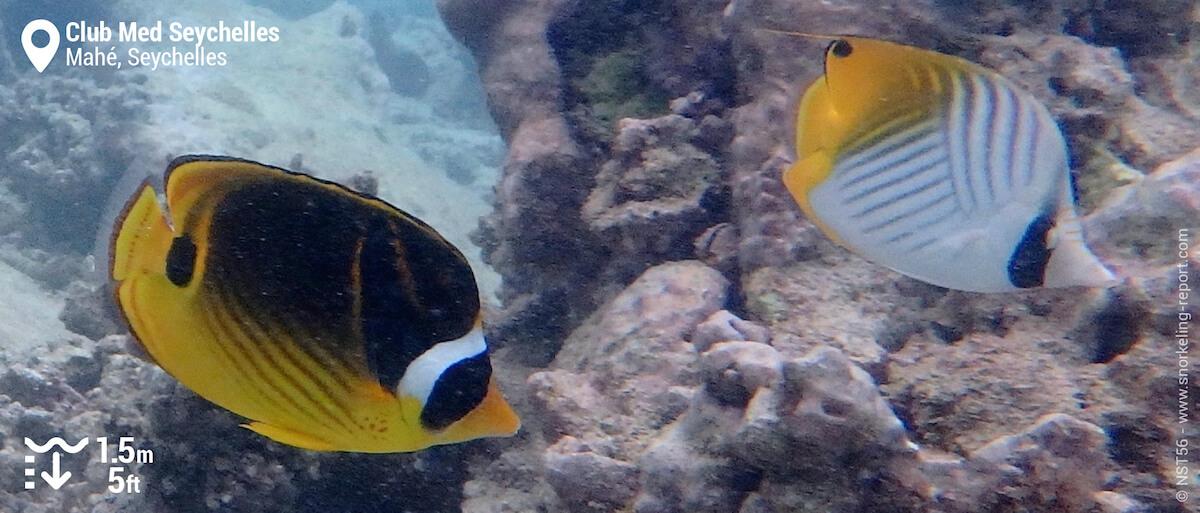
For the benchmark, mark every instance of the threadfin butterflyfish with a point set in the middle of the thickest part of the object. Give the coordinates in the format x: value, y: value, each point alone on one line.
x: 332, y: 320
x: 938, y: 168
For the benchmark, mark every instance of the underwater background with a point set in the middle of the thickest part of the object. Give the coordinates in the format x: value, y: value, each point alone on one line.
x: 674, y: 334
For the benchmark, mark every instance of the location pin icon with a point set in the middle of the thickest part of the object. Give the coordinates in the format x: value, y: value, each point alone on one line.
x: 40, y: 57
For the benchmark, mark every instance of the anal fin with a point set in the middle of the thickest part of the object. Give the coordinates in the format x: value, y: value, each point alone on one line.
x: 290, y: 437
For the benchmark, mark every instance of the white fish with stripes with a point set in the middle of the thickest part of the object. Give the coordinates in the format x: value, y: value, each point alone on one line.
x: 940, y: 169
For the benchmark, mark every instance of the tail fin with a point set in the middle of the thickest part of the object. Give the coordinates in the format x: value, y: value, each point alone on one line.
x: 141, y: 237
x: 1072, y: 264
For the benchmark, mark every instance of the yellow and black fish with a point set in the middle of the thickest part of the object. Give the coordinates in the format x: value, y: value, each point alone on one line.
x: 938, y: 168
x: 333, y: 320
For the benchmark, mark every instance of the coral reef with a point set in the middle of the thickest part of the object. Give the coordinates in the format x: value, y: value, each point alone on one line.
x: 633, y: 415
x: 557, y: 74
x: 656, y: 193
x: 675, y: 334
x: 712, y: 426
x: 203, y: 461
x: 62, y: 139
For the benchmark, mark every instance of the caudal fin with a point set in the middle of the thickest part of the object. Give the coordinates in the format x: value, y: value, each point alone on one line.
x: 1072, y: 264
x: 141, y: 237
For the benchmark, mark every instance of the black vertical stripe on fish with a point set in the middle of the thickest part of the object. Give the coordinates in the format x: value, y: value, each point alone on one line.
x: 1013, y: 127
x: 444, y: 282
x: 181, y: 260
x: 960, y: 124
x: 390, y: 311
x: 986, y: 110
x: 457, y: 391
x: 1027, y: 266
x: 1023, y: 141
x: 999, y: 160
x: 1035, y: 143
x: 899, y: 151
x: 982, y: 139
x: 415, y: 294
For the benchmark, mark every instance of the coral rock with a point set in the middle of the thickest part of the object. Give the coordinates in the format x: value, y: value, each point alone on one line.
x: 724, y: 326
x: 636, y: 332
x: 588, y: 481
x: 656, y: 194
x: 734, y: 371
x: 1138, y: 225
x: 824, y: 409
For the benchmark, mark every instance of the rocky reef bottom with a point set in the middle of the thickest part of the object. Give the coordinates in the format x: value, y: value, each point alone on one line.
x: 665, y: 402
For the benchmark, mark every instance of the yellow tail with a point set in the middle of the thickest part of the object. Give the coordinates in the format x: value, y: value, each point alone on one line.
x: 141, y: 237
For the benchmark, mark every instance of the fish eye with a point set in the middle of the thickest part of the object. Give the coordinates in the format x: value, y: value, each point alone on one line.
x: 840, y: 48
x: 181, y: 260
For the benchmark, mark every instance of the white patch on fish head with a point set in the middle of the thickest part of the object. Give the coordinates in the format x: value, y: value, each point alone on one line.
x: 422, y: 374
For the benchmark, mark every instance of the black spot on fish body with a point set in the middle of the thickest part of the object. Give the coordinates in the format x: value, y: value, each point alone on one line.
x: 181, y: 261
x: 1027, y: 266
x: 840, y: 48
x: 457, y: 391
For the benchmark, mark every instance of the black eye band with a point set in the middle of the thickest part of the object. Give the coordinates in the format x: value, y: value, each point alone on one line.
x: 457, y: 391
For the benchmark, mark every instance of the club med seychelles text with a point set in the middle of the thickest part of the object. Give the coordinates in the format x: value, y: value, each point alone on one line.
x: 195, y: 55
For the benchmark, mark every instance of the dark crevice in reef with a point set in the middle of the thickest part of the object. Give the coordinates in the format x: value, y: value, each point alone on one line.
x: 1113, y: 329
x: 611, y: 55
x: 1122, y: 24
x: 622, y: 199
x: 597, y: 46
x: 437, y: 472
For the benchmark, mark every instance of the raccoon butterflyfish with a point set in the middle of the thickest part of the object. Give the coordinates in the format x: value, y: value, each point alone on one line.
x: 332, y: 320
x: 938, y: 168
